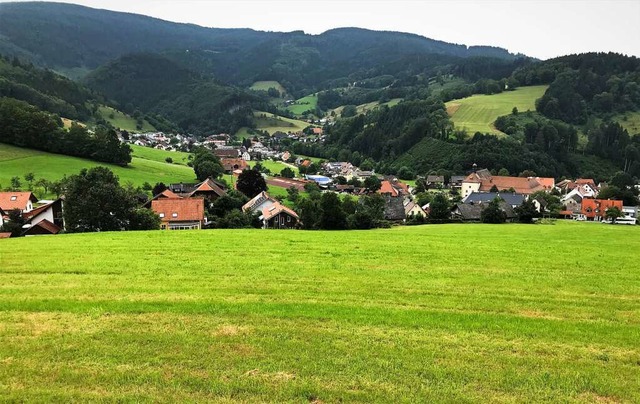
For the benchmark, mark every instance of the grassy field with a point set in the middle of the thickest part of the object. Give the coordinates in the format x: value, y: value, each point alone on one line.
x: 160, y: 156
x: 364, y: 108
x: 631, y: 122
x: 478, y: 112
x: 310, y: 102
x: 274, y: 166
x: 456, y: 313
x: 265, y: 85
x: 16, y: 161
x: 273, y: 123
x: 123, y: 121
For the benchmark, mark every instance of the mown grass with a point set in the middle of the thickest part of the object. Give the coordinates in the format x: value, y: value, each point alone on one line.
x: 275, y: 166
x: 478, y: 112
x: 457, y: 313
x: 160, y: 156
x: 16, y: 161
x: 273, y: 123
x: 310, y: 102
x: 123, y: 121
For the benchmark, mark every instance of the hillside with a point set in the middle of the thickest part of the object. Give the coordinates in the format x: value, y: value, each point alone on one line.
x: 478, y: 112
x: 155, y: 85
x: 16, y: 161
x: 340, y: 322
x: 75, y: 38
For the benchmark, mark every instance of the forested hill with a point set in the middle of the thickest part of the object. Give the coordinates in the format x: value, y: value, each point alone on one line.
x: 157, y: 86
x: 73, y: 38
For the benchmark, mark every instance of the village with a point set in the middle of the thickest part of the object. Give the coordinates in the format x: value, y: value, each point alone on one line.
x: 184, y: 206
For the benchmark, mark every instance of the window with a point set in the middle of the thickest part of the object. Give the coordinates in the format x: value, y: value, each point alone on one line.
x: 288, y: 219
x: 174, y: 214
x: 13, y: 198
x: 281, y: 219
x: 161, y: 215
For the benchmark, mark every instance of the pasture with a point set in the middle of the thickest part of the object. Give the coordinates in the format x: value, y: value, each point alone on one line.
x: 456, y: 313
x: 478, y: 112
x: 17, y: 161
x: 266, y: 85
x: 123, y: 121
x: 310, y: 102
x: 273, y: 123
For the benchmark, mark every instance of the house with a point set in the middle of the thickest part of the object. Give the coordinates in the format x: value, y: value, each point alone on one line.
x: 595, y: 209
x: 317, y: 131
x: 511, y: 199
x: 484, y: 181
x: 209, y: 189
x: 321, y: 180
x: 246, y: 156
x: 2, y: 216
x: 413, y: 209
x: 456, y: 181
x: 231, y: 153
x: 232, y: 164
x: 45, y: 219
x: 17, y: 200
x: 473, y: 212
x: 166, y: 194
x: 588, y: 185
x: 259, y: 202
x: 435, y: 181
x: 5, y: 235
x: 179, y: 214
x: 278, y: 216
x: 286, y: 156
x: 394, y: 208
x: 393, y: 188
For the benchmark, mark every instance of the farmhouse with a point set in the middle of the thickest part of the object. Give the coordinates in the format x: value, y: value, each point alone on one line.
x: 511, y: 199
x: 259, y: 202
x: 179, y: 214
x: 17, y: 200
x: 208, y: 189
x: 45, y: 219
x: 231, y: 153
x: 232, y: 164
x: 413, y: 209
x: 595, y: 209
x: 473, y: 212
x: 394, y: 208
x: 393, y: 188
x: 484, y: 181
x: 278, y: 216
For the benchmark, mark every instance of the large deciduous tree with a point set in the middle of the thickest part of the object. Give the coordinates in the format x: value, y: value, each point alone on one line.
x: 251, y: 183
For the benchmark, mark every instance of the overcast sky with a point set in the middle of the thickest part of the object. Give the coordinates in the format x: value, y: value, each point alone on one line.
x: 543, y: 28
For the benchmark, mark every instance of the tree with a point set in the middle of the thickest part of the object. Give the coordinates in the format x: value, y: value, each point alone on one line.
x: 613, y: 213
x: 251, y: 183
x: 206, y: 165
x: 30, y: 177
x: 493, y: 213
x: 439, y: 209
x: 158, y: 188
x: 503, y: 172
x: 15, y: 223
x: 95, y: 201
x: 494, y: 188
x: 372, y: 183
x: 293, y: 194
x: 15, y: 183
x: 526, y: 211
x: 332, y: 216
x: 287, y: 172
x: 404, y: 173
x: 44, y: 184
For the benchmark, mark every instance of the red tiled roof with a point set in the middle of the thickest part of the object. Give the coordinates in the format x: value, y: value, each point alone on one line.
x: 167, y: 193
x: 275, y: 209
x: 598, y: 207
x: 387, y: 188
x: 233, y: 164
x: 185, y: 210
x: 521, y: 185
x: 208, y: 185
x: 7, y: 201
x: 226, y: 152
x: 306, y: 163
x: 317, y: 131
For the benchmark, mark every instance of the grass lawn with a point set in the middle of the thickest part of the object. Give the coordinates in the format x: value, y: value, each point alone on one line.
x: 160, y: 156
x: 274, y: 166
x: 478, y: 112
x: 266, y: 85
x: 364, y: 108
x: 273, y: 123
x: 123, y: 121
x: 458, y: 313
x: 310, y: 102
x: 16, y: 161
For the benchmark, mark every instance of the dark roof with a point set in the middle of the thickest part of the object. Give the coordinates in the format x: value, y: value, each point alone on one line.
x: 486, y: 197
x: 43, y: 227
x: 393, y: 207
x: 435, y: 178
x: 457, y: 178
x: 466, y: 211
x: 232, y: 153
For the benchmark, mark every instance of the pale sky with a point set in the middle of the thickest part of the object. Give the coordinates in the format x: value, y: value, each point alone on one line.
x: 542, y: 29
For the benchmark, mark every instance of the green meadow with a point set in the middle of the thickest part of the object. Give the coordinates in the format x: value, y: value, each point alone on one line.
x: 478, y: 112
x: 266, y: 85
x: 364, y: 108
x: 273, y: 123
x: 123, y: 121
x: 310, y: 102
x: 453, y: 313
x: 149, y: 153
x: 145, y: 166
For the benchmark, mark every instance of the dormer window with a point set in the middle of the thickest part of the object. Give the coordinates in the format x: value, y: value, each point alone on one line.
x: 161, y: 215
x: 14, y: 198
x: 174, y: 214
